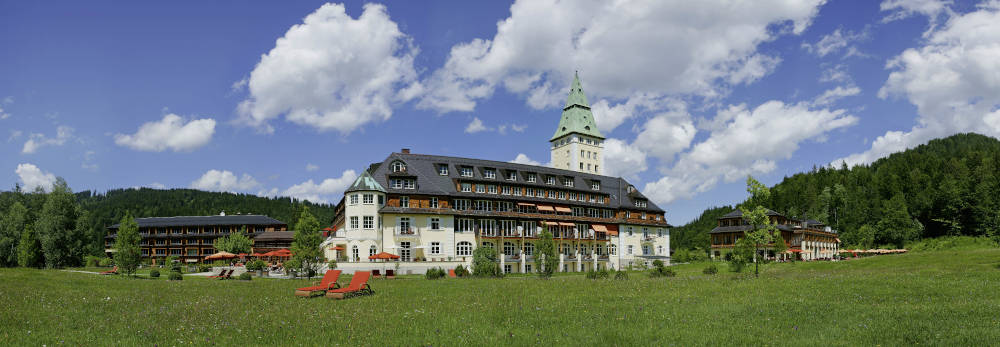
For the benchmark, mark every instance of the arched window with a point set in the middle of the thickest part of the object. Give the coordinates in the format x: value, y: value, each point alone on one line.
x: 529, y: 249
x: 398, y: 166
x: 464, y: 248
x: 508, y: 248
x: 354, y: 253
x: 371, y: 250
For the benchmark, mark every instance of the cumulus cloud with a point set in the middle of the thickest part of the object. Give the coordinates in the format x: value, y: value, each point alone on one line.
x: 524, y: 159
x: 171, y: 133
x: 333, y: 72
x: 697, y: 48
x: 224, y: 181
x: 36, y: 141
x: 475, y: 126
x: 666, y: 134
x: 622, y: 159
x: 899, y: 9
x: 952, y: 81
x: 318, y: 193
x: 32, y: 177
x: 747, y: 141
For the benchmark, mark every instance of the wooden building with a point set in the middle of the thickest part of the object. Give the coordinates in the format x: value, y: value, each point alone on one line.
x: 805, y: 239
x: 191, y: 238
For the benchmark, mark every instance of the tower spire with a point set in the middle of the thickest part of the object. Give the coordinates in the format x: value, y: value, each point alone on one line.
x: 576, y: 116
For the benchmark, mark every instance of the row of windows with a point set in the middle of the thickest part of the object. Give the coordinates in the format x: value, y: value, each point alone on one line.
x: 367, y: 199
x: 368, y: 222
x: 580, y: 139
x: 197, y: 230
x: 510, y: 175
x: 530, y: 192
x: 402, y: 183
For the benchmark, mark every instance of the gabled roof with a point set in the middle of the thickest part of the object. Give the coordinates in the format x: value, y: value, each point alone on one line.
x: 365, y: 182
x: 183, y: 221
x: 576, y: 116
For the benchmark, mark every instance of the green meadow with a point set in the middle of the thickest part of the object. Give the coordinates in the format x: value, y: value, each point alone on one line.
x: 934, y: 297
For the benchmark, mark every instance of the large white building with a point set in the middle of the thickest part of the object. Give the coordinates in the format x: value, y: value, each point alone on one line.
x: 433, y: 211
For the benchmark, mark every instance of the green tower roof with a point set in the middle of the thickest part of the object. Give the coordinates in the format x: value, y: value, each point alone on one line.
x: 365, y: 182
x: 576, y: 116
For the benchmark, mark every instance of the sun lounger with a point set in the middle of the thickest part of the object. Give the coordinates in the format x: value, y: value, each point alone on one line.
x: 359, y: 286
x: 228, y: 275
x: 329, y: 282
x: 221, y: 274
x: 113, y: 271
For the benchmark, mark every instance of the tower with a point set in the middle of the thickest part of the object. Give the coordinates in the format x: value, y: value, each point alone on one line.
x: 577, y: 144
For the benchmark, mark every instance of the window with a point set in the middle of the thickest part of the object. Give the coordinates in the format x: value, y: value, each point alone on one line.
x: 550, y: 180
x: 531, y: 178
x: 398, y: 166
x: 493, y: 189
x: 508, y: 248
x: 396, y: 183
x: 404, y: 201
x: 490, y: 173
x: 659, y: 232
x: 466, y: 187
x: 595, y: 168
x: 466, y: 171
x: 369, y: 199
x: 462, y: 204
x: 435, y: 248
x: 482, y: 205
x: 369, y: 222
x: 572, y: 196
x: 434, y: 202
x: 372, y: 250
x: 645, y: 249
x: 508, y: 269
x: 443, y: 170
x: 659, y: 249
x: 582, y: 153
x: 529, y: 248
x: 144, y: 252
x: 512, y: 175
x: 629, y: 232
x: 404, y: 225
x: 354, y: 222
x: 354, y: 253
x: 464, y: 225
x: 640, y: 203
x: 517, y: 191
x: 562, y: 195
x: 531, y: 191
x: 381, y: 200
x: 581, y: 166
x: 567, y: 181
x: 410, y: 184
x: 612, y: 249
x: 628, y: 251
x: 505, y: 190
x: 464, y: 248
x: 527, y: 268
x: 643, y: 215
x: 435, y: 223
x: 480, y: 188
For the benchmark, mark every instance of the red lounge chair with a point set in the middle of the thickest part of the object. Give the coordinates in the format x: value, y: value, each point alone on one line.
x: 228, y: 275
x: 390, y: 274
x: 113, y: 271
x: 376, y: 273
x: 451, y: 273
x: 359, y: 286
x: 329, y: 282
x: 221, y: 274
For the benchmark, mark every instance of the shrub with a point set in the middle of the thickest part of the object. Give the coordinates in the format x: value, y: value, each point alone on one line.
x: 689, y: 255
x: 460, y: 271
x: 661, y: 271
x: 175, y: 276
x: 257, y: 264
x: 176, y: 267
x: 711, y: 269
x: 92, y: 261
x: 331, y: 265
x: 657, y: 263
x: 485, y: 263
x: 204, y: 267
x: 245, y: 276
x: 154, y: 273
x: 736, y: 266
x: 621, y: 275
x: 604, y: 273
x: 435, y: 273
x: 105, y: 261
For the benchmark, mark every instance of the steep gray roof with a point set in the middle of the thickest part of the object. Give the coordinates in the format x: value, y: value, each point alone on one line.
x: 424, y: 168
x: 183, y: 221
x: 365, y: 182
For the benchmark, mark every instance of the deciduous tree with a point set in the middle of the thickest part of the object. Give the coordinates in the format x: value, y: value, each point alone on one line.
x: 546, y: 259
x: 127, y: 254
x: 306, y: 245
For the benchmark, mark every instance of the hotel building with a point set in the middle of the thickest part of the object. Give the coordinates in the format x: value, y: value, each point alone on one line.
x: 433, y: 211
x: 191, y: 238
x: 805, y: 239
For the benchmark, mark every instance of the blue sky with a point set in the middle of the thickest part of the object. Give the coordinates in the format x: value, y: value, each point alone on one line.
x: 296, y: 98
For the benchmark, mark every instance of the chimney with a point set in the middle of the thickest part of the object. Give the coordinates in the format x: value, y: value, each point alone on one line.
x: 406, y: 151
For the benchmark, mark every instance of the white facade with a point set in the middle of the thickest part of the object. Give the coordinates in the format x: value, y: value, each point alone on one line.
x: 578, y: 153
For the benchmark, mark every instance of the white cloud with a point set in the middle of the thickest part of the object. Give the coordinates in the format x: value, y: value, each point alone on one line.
x: 311, y: 167
x: 5, y: 114
x: 475, y: 126
x: 36, y: 141
x: 952, y: 80
x: 32, y: 177
x: 904, y: 8
x: 518, y: 127
x: 333, y: 72
x: 830, y: 96
x: 624, y: 50
x: 88, y: 161
x: 523, y: 159
x: 318, y: 193
x: 224, y: 181
x: 622, y: 159
x: 836, y: 73
x: 14, y: 135
x: 157, y: 185
x: 834, y: 42
x: 666, y: 134
x: 169, y: 133
x: 748, y: 141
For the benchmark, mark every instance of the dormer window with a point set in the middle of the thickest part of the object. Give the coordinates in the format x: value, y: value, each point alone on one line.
x: 567, y: 181
x: 640, y: 203
x: 443, y: 170
x: 551, y: 180
x: 466, y: 171
x: 512, y: 175
x: 398, y: 166
x: 595, y: 185
x: 490, y: 173
x: 631, y: 189
x: 531, y: 178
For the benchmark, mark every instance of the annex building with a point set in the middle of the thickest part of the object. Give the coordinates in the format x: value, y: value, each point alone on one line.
x: 805, y: 239
x: 433, y: 211
x: 191, y: 238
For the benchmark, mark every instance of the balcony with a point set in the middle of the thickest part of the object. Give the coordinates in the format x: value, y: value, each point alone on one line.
x: 649, y: 238
x: 406, y: 231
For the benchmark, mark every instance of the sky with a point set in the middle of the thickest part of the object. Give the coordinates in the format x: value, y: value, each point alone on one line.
x: 297, y: 98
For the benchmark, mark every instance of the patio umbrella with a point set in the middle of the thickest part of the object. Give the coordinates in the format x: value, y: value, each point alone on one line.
x: 221, y: 255
x: 337, y: 248
x: 384, y: 256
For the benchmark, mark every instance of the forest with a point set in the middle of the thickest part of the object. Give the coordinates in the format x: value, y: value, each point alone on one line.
x: 947, y: 187
x: 59, y: 228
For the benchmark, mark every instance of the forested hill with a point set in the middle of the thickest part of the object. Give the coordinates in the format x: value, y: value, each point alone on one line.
x: 108, y: 208
x: 949, y: 186
x: 694, y: 234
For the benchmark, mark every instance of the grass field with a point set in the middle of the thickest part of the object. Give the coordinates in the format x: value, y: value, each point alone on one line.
x: 937, y: 298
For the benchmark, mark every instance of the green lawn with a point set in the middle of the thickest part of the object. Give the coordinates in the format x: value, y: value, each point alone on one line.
x: 941, y: 298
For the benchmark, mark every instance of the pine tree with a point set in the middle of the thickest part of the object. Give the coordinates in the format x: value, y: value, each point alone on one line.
x: 127, y: 254
x: 897, y: 226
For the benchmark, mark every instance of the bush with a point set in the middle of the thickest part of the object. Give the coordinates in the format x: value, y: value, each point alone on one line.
x: 105, y: 261
x: 485, y: 262
x: 711, y: 269
x: 92, y: 261
x: 460, y: 271
x: 604, y: 273
x: 331, y: 265
x: 689, y: 255
x: 736, y: 266
x: 204, y: 267
x: 175, y: 276
x: 257, y: 264
x: 435, y: 273
x: 661, y: 271
x: 621, y: 275
x: 657, y: 264
x: 244, y: 276
x: 154, y: 273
